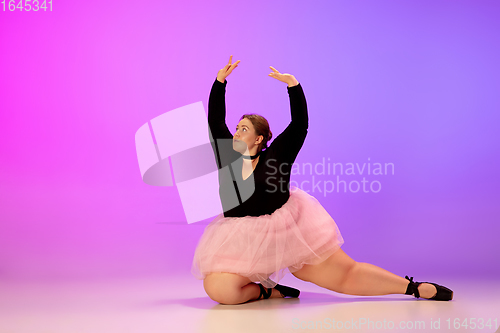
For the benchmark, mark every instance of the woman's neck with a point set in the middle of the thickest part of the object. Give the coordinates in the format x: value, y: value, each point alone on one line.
x: 251, y: 157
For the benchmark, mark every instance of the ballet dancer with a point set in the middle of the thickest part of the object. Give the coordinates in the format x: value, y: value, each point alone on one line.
x: 269, y: 228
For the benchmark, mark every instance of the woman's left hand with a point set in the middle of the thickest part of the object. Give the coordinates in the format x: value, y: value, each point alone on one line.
x: 287, y: 78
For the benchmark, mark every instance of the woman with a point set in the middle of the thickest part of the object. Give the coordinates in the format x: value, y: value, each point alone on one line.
x: 269, y: 228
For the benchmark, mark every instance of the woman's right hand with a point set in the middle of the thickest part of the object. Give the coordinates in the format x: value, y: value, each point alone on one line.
x: 224, y: 72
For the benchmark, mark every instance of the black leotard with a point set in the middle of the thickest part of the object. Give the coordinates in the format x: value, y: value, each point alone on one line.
x: 267, y: 189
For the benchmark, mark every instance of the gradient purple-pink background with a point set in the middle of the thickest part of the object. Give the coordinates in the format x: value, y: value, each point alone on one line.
x: 413, y: 83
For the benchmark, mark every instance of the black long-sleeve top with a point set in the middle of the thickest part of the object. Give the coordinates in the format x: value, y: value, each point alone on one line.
x: 267, y: 188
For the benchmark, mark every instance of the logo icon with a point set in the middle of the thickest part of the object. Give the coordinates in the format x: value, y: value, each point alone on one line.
x: 177, y: 149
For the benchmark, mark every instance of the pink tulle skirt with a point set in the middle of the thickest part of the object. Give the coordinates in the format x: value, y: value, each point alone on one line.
x: 265, y: 248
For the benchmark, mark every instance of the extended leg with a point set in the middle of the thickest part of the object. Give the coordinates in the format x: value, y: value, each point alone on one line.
x: 342, y: 274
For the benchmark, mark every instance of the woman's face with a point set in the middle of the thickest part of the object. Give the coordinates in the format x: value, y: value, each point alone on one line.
x: 245, y: 137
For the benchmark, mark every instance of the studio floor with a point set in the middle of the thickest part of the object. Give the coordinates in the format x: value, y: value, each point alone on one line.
x: 179, y: 304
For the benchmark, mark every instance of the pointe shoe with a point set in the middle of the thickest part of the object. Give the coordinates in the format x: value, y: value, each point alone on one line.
x: 266, y: 292
x: 284, y: 291
x: 442, y: 294
x: 287, y: 291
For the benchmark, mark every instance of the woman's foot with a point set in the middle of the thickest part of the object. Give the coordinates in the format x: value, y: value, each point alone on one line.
x: 276, y: 294
x: 427, y: 290
x: 279, y: 291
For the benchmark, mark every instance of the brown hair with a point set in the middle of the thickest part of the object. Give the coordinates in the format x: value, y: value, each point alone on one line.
x: 261, y: 128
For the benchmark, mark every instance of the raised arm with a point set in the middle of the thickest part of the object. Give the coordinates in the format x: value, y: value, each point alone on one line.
x: 298, y: 108
x: 290, y: 141
x: 217, y: 103
x: 217, y: 111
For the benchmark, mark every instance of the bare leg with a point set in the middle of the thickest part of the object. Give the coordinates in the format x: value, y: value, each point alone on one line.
x: 342, y: 274
x: 229, y: 288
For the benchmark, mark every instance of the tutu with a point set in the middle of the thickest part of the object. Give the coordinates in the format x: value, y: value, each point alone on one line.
x: 265, y: 248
